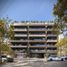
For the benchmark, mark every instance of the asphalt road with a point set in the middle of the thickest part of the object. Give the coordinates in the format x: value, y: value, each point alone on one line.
x: 35, y: 63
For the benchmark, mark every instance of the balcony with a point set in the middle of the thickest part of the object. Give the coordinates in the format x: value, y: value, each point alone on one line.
x: 35, y: 23
x: 52, y: 35
x: 20, y: 30
x: 20, y: 24
x: 27, y: 40
x: 37, y: 29
x: 37, y: 40
x: 20, y: 35
x: 38, y: 51
x: 37, y: 46
x: 18, y: 40
x: 51, y: 29
x: 50, y: 40
x: 52, y: 51
x: 19, y: 46
x: 50, y: 45
x: 19, y: 52
x: 37, y: 35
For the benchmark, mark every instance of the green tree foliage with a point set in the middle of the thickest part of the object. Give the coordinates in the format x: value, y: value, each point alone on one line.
x: 2, y: 28
x: 11, y: 32
x: 2, y: 32
x: 62, y: 47
x: 60, y: 10
x: 62, y: 42
x: 5, y: 48
x: 58, y: 28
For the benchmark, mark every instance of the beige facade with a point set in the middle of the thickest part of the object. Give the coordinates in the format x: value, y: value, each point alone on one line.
x: 34, y: 38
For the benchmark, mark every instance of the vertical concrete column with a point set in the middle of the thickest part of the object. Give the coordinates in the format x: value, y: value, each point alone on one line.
x: 28, y: 45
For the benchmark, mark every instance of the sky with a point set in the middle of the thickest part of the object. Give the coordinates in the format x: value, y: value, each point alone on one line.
x: 22, y: 10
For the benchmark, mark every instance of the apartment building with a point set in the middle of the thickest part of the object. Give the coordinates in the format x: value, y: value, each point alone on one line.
x: 34, y: 39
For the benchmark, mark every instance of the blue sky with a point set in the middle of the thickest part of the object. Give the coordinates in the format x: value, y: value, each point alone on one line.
x: 20, y: 10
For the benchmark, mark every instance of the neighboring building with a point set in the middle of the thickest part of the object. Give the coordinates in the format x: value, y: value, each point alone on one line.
x: 35, y: 38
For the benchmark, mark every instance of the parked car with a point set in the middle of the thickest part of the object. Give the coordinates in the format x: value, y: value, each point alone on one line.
x: 10, y: 58
x: 54, y: 58
x: 64, y: 57
x: 3, y: 58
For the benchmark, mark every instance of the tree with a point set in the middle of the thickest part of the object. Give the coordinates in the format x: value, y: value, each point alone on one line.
x: 11, y: 36
x: 58, y: 28
x: 2, y: 32
x: 11, y: 32
x: 2, y: 29
x: 4, y: 48
x: 62, y: 46
x: 62, y: 42
x: 60, y: 10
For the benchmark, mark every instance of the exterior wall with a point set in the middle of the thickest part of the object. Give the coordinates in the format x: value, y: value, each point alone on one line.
x: 34, y: 38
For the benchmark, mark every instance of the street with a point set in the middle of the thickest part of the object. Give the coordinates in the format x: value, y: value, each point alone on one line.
x: 35, y: 63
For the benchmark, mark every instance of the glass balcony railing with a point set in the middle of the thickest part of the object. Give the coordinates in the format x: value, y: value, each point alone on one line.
x: 27, y: 40
x: 20, y: 29
x: 17, y: 46
x: 18, y: 40
x: 37, y: 35
x: 20, y: 35
x: 37, y: 40
x: 36, y: 29
x: 37, y: 51
x: 51, y: 51
x: 51, y: 34
x: 49, y: 45
x: 51, y: 40
x: 39, y: 45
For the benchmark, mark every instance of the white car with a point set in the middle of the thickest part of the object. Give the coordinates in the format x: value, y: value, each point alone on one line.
x: 64, y: 57
x: 54, y: 58
x: 4, y: 58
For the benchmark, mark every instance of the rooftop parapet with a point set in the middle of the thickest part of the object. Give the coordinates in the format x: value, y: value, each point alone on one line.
x: 32, y: 23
